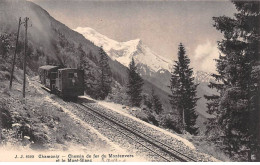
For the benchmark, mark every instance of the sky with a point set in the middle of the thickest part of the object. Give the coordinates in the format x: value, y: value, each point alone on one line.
x: 161, y: 25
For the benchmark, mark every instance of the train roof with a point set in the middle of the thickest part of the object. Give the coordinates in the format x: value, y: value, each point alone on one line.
x: 68, y: 69
x: 48, y: 67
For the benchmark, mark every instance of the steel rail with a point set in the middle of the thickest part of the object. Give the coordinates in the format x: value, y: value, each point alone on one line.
x: 169, y: 150
x: 123, y: 132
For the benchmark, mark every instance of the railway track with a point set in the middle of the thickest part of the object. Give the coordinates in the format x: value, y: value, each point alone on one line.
x: 165, y: 152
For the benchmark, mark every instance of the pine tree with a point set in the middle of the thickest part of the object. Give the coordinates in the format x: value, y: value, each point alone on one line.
x: 105, y: 76
x: 156, y: 103
x: 183, y: 98
x: 134, y: 86
x: 147, y: 101
x: 91, y: 88
x: 83, y: 63
x: 236, y: 107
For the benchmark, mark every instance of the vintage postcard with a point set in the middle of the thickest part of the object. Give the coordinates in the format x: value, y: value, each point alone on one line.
x: 129, y: 81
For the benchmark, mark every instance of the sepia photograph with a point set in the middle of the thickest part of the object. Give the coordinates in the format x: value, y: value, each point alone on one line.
x: 129, y: 81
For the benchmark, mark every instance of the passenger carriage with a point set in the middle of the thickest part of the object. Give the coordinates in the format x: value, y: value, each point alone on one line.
x: 48, y: 75
x: 66, y: 82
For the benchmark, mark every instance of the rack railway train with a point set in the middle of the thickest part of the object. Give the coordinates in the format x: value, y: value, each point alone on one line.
x: 65, y: 82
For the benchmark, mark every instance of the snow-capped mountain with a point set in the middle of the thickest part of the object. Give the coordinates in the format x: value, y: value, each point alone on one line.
x: 148, y: 62
x: 151, y: 66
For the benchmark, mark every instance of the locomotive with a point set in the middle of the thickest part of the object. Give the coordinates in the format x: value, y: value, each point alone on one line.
x: 65, y: 82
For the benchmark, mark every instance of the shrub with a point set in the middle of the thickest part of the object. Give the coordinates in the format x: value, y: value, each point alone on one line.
x: 170, y: 123
x: 5, y: 117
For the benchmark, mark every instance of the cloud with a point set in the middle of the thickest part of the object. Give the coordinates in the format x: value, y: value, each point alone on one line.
x: 204, y: 56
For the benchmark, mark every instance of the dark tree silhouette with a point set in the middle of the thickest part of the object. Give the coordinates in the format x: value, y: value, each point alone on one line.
x: 156, y: 103
x: 134, y: 86
x: 105, y: 76
x: 236, y: 107
x: 183, y: 97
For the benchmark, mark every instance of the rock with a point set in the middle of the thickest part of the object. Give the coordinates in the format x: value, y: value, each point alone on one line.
x: 60, y: 109
x: 134, y: 109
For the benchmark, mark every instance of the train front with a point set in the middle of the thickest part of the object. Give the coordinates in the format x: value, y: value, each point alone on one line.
x: 70, y: 82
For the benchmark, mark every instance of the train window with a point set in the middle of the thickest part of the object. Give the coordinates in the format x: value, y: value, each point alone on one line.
x: 71, y: 75
x: 53, y: 75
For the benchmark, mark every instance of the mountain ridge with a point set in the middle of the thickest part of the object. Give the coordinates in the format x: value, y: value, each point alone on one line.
x: 123, y: 52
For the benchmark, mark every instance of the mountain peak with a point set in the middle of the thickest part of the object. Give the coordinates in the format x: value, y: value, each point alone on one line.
x: 123, y: 52
x: 134, y: 42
